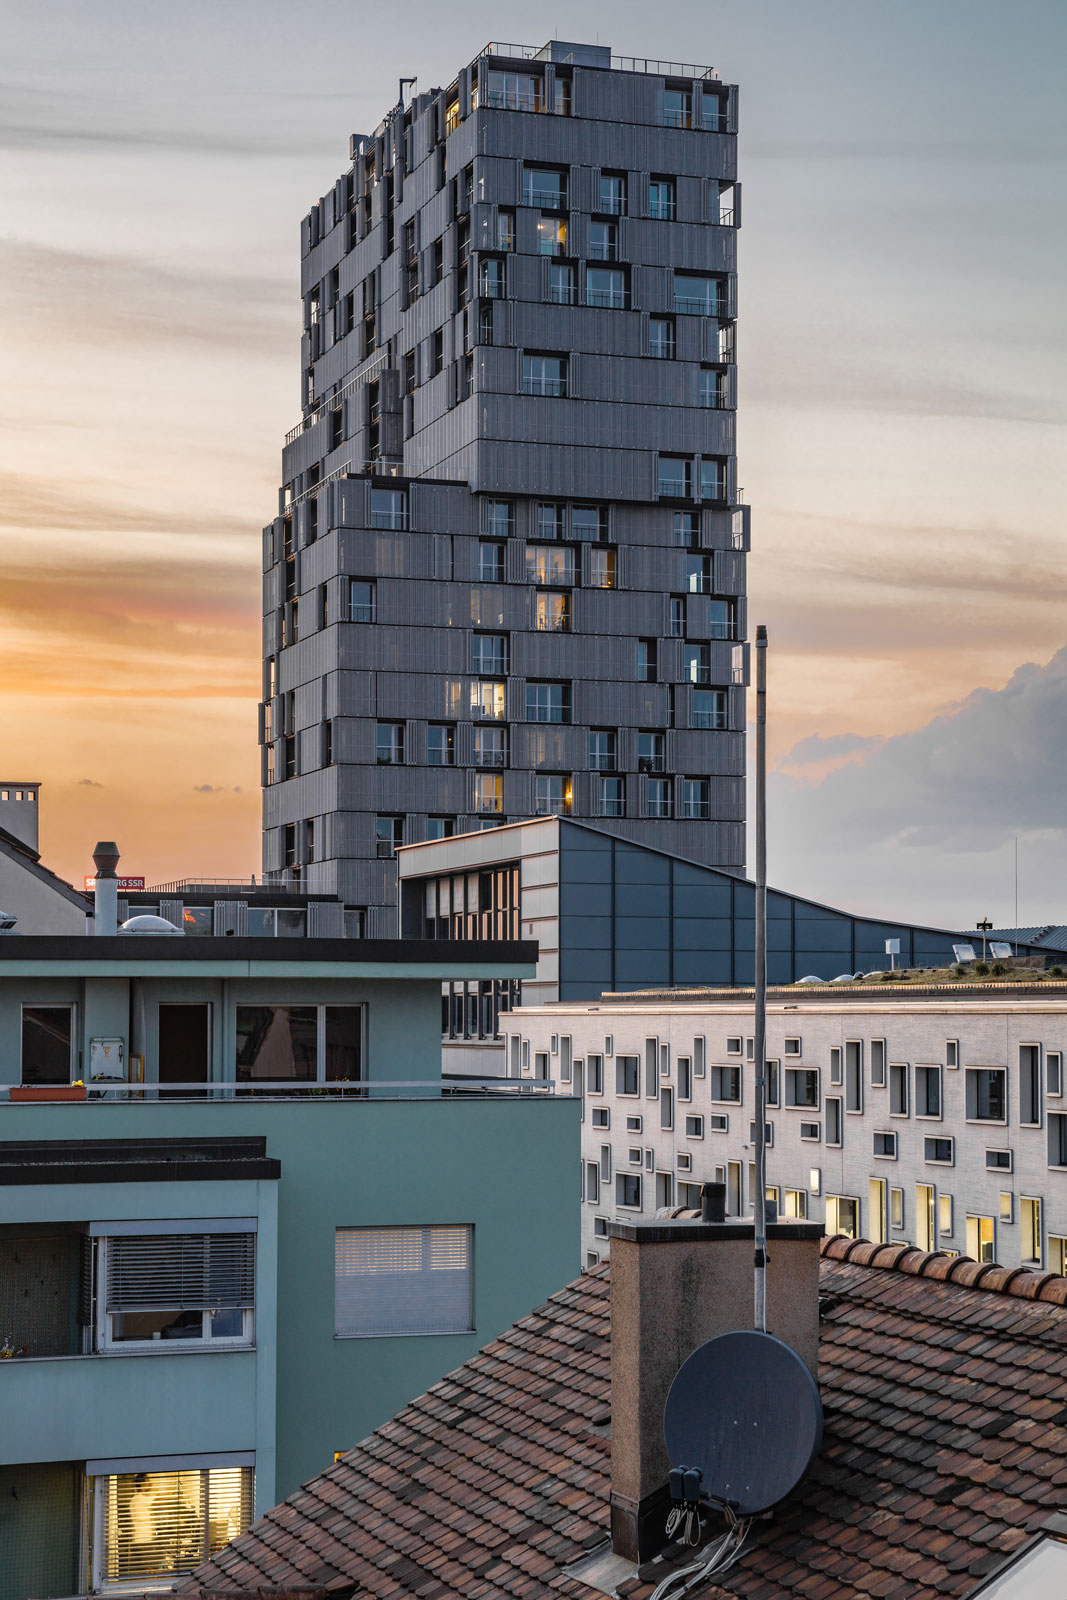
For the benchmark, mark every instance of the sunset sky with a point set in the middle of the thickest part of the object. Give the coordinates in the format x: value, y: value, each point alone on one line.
x: 901, y: 424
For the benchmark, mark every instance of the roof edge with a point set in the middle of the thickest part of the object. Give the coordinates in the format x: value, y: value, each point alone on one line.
x: 1023, y: 1283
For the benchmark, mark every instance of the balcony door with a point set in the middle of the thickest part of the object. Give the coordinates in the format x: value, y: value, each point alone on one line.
x: 185, y: 1044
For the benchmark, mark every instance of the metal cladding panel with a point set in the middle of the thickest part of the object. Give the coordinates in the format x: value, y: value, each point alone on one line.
x: 729, y: 572
x: 714, y: 753
x: 395, y: 649
x: 418, y: 694
x: 549, y: 747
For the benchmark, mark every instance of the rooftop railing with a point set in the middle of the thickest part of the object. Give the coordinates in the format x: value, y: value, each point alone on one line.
x: 645, y: 64
x: 444, y: 1088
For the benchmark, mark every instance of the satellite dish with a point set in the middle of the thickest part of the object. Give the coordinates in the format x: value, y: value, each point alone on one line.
x: 745, y: 1411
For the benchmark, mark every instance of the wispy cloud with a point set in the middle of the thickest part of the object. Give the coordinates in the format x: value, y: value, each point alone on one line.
x: 97, y: 299
x: 89, y: 783
x: 207, y: 788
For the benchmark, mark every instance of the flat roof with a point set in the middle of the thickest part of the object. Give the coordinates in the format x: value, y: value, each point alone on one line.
x: 823, y: 996
x: 23, y: 955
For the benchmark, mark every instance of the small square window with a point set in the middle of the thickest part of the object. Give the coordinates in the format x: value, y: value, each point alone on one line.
x: 694, y: 1127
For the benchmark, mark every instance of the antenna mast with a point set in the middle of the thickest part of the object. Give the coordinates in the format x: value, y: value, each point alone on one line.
x: 760, y: 987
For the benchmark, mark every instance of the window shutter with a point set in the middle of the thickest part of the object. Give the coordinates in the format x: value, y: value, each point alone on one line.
x: 86, y: 1261
x: 158, y: 1272
x: 403, y: 1281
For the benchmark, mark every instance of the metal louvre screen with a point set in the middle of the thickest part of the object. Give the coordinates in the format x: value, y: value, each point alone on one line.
x: 403, y: 1280
x: 179, y: 1271
x: 158, y: 1524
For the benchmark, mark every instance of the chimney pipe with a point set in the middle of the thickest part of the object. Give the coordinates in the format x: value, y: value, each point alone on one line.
x: 106, y: 893
x: 713, y: 1202
x: 674, y: 1285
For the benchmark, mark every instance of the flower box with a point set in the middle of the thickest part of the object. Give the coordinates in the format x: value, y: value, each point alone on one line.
x: 33, y: 1092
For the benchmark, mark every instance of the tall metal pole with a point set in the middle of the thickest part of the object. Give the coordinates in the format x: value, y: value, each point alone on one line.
x: 760, y: 986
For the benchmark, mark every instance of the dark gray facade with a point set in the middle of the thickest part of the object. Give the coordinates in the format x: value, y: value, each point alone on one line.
x: 507, y: 577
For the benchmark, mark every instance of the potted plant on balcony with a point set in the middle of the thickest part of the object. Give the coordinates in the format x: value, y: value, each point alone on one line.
x: 34, y: 1092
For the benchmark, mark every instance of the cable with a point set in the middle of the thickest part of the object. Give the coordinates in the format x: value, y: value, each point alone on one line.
x: 713, y: 1562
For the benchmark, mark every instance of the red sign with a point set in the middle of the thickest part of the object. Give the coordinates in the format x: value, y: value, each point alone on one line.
x: 123, y: 883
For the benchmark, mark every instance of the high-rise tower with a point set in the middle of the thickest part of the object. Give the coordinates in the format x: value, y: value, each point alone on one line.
x: 507, y: 576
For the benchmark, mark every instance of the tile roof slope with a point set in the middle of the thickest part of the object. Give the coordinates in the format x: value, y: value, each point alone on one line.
x: 944, y: 1385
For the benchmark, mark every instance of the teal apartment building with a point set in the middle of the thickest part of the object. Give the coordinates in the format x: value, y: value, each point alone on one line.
x: 243, y: 1220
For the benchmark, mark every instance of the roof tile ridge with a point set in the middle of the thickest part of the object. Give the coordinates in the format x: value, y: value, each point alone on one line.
x: 1022, y: 1283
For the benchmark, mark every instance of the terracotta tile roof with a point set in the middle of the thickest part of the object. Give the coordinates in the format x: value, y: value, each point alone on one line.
x: 944, y: 1385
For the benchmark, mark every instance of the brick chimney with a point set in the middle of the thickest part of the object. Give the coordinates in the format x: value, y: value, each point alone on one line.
x: 674, y: 1285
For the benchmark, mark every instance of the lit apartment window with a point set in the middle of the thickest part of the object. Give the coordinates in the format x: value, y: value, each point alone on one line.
x: 696, y: 798
x: 488, y: 701
x: 842, y: 1215
x: 440, y: 745
x: 553, y: 612
x: 550, y: 564
x: 361, y: 600
x: 1030, y: 1231
x: 677, y: 108
x: 980, y: 1238
x: 390, y: 1281
x: 159, y: 1524
x: 602, y: 569
x: 488, y: 792
x: 490, y: 747
x: 390, y: 743
x: 924, y: 1216
x: 544, y: 375
x: 552, y: 794
x: 548, y: 702
x: 551, y: 236
x: 603, y: 241
x: 697, y: 294
x: 388, y: 508
x: 389, y: 835
x: 661, y: 346
x: 944, y: 1215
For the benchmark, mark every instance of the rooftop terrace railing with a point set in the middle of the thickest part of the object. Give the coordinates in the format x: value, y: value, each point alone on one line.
x: 645, y: 64
x: 455, y: 1087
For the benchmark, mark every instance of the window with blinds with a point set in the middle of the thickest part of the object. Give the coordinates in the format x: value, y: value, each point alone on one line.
x: 403, y: 1281
x: 159, y: 1524
x: 178, y: 1286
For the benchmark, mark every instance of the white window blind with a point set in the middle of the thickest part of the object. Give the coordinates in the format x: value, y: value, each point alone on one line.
x: 403, y: 1280
x: 181, y: 1271
x: 157, y: 1524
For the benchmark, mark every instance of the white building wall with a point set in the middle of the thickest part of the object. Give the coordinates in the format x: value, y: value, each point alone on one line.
x: 812, y: 1171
